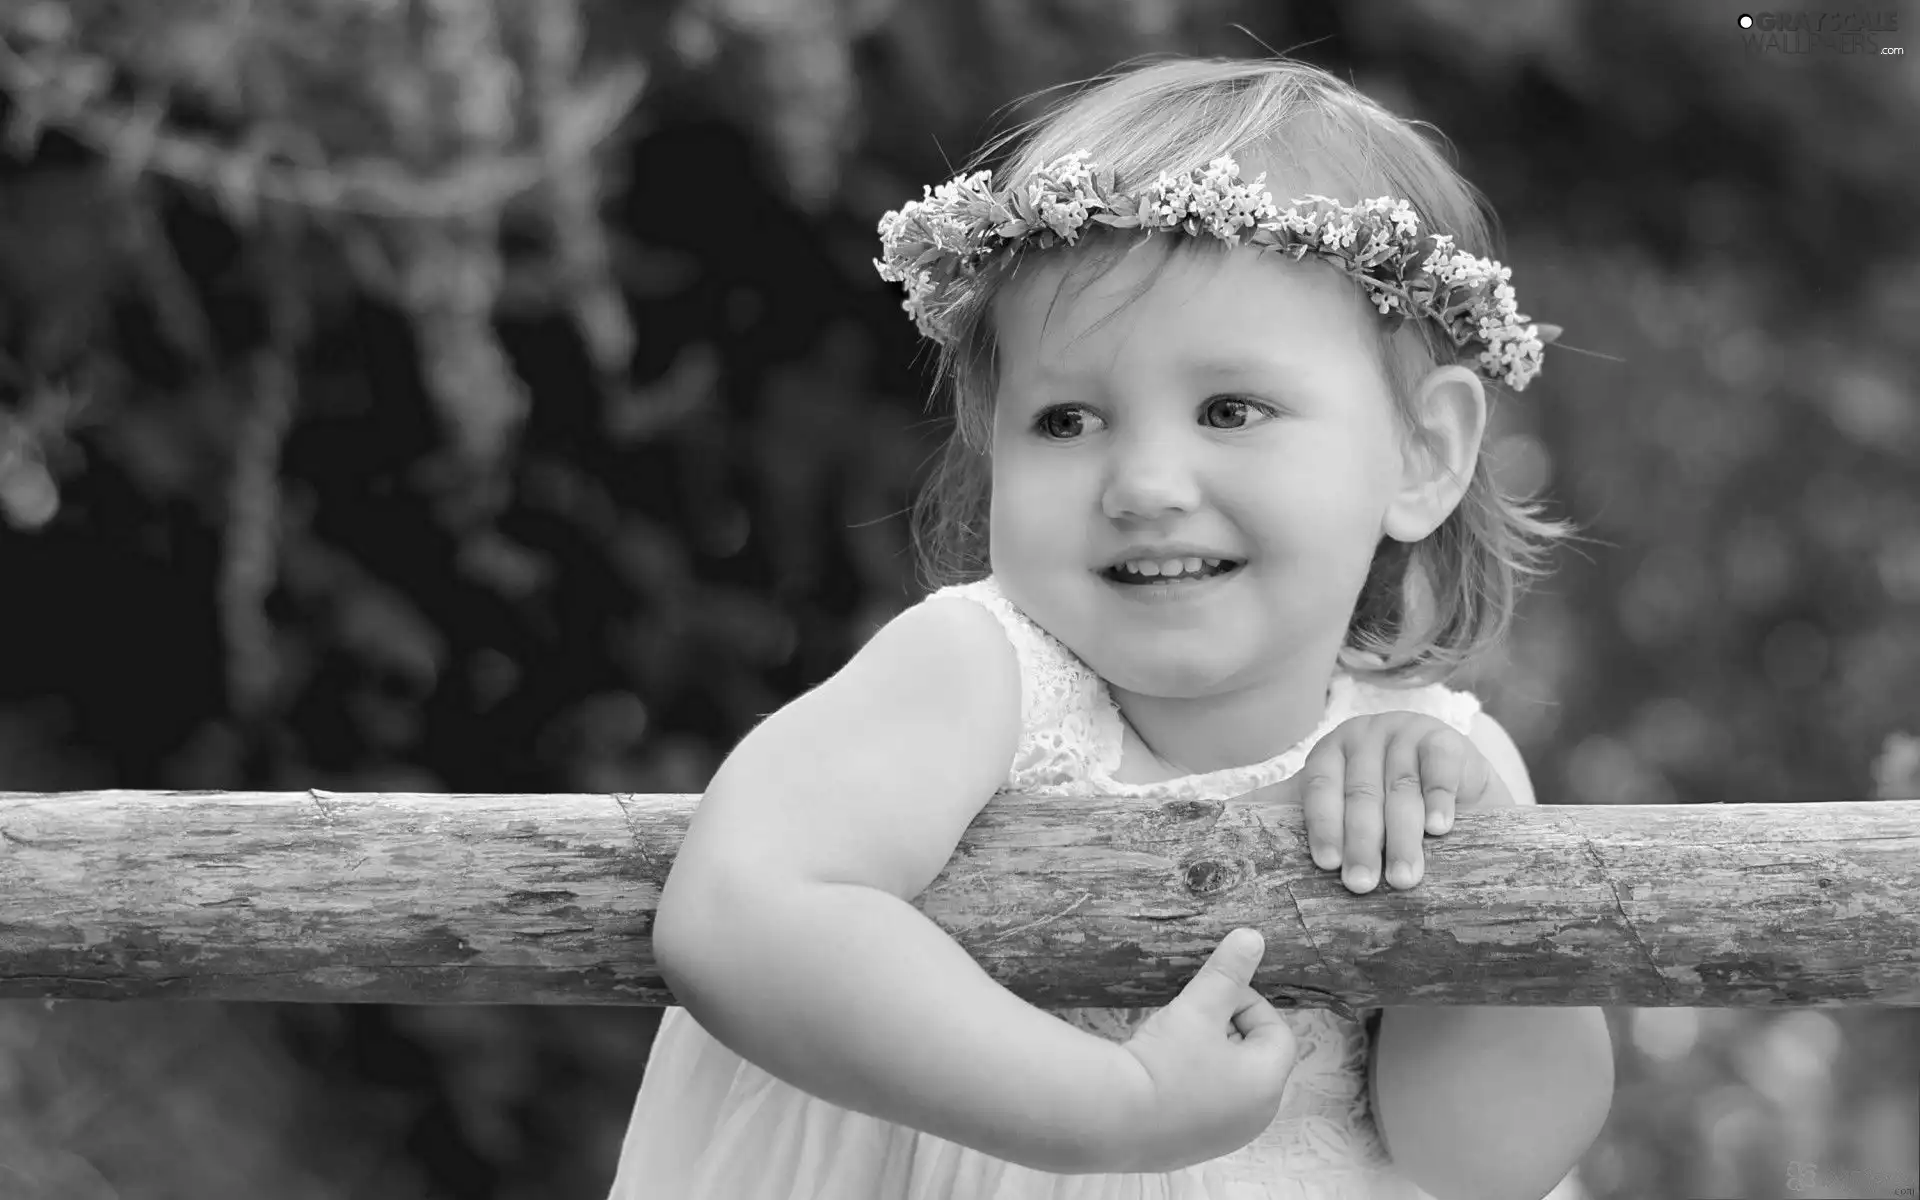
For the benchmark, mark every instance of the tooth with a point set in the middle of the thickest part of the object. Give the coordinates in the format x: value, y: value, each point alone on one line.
x: 1212, y: 563
x: 1191, y: 564
x: 1170, y: 567
x: 1143, y: 567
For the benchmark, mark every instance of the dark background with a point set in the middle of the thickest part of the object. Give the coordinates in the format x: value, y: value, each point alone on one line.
x: 469, y: 396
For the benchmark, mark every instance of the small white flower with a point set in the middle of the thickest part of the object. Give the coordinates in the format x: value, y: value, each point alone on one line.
x: 1338, y: 235
x: 1406, y: 223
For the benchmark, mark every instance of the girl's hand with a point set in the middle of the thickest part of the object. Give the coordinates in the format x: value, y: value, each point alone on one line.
x: 1212, y: 1066
x: 1377, y: 782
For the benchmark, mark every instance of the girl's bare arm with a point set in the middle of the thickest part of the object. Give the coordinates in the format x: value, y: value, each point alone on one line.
x: 785, y: 927
x: 1491, y: 1103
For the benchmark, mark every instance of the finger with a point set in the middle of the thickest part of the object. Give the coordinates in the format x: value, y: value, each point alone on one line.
x: 1222, y: 980
x: 1442, y: 758
x: 1265, y: 1032
x: 1405, y: 811
x: 1254, y: 1012
x: 1363, y: 813
x: 1323, y: 801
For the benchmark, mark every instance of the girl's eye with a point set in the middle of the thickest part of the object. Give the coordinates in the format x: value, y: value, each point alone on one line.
x: 1232, y: 412
x: 1062, y: 421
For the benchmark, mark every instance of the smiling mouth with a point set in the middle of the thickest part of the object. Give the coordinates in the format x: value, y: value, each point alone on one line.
x: 1155, y: 575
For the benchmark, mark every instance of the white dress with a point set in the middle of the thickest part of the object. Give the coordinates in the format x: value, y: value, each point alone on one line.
x: 709, y: 1125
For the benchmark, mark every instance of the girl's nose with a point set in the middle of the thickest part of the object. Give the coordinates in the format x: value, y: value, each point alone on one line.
x: 1149, y: 478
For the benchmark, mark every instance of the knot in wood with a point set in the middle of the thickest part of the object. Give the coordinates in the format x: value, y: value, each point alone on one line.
x: 1188, y: 810
x: 1210, y: 875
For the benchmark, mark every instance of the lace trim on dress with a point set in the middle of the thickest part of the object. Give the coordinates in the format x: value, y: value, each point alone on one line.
x: 1056, y: 697
x: 1073, y: 732
x: 1109, y: 726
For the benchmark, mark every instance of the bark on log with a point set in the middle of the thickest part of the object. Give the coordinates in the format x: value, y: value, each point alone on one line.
x: 549, y: 899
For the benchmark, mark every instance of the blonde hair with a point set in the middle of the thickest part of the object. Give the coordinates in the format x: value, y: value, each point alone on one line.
x: 1179, y: 114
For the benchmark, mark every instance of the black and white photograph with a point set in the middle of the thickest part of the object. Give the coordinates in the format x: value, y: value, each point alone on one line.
x: 959, y: 600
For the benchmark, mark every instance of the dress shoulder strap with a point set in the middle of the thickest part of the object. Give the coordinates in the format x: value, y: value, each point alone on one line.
x: 1057, y: 693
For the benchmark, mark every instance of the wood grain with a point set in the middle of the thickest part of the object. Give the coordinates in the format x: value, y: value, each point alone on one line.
x: 549, y: 899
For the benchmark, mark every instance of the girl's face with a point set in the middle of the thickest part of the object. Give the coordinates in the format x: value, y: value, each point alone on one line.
x: 1234, y: 411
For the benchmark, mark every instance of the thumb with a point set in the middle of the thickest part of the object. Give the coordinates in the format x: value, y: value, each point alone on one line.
x: 1222, y: 980
x: 1263, y: 1030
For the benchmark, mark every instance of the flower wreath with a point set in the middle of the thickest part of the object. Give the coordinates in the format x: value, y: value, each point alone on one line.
x: 937, y: 244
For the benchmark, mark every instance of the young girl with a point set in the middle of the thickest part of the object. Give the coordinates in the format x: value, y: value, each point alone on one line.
x: 1218, y: 492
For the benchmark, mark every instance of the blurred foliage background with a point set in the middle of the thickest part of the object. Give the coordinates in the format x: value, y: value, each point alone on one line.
x: 498, y: 396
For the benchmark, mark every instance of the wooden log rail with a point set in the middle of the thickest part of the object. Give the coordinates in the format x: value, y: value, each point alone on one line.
x: 549, y: 899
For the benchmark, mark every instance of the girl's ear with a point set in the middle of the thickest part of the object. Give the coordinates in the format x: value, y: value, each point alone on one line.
x: 1438, y: 459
